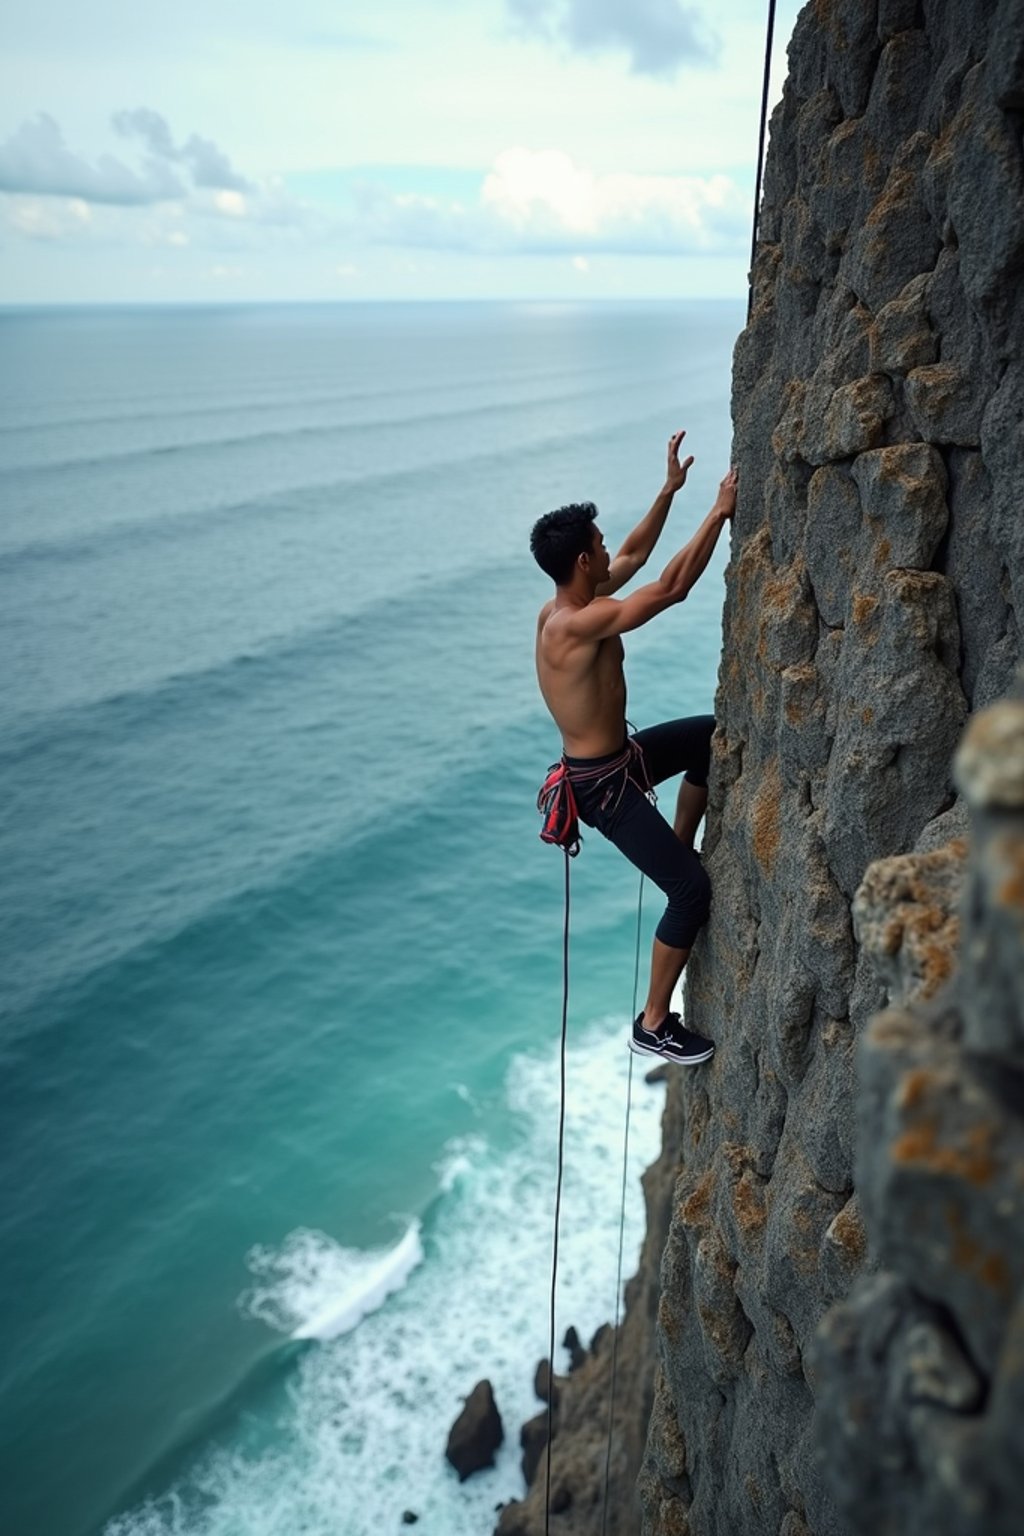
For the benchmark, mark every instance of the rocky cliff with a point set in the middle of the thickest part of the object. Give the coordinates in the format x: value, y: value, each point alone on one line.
x: 838, y: 1350
x: 840, y: 1332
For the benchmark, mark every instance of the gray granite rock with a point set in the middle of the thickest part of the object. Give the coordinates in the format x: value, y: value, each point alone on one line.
x: 841, y: 1320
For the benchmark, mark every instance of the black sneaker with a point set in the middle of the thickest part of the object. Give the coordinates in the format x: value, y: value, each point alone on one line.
x: 674, y: 1043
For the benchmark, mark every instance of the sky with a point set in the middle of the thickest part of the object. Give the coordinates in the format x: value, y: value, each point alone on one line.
x: 258, y: 150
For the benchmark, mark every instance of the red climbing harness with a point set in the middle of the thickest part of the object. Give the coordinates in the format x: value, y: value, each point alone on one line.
x: 557, y: 800
x: 557, y: 804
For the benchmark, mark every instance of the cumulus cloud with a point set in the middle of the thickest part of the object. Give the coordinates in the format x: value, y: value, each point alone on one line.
x: 540, y: 201
x: 36, y: 160
x: 209, y: 165
x: 660, y: 36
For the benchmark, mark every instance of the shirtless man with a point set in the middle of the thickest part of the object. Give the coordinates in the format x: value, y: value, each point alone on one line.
x: 579, y: 668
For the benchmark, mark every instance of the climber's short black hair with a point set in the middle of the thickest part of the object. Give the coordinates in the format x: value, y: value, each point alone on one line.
x: 560, y: 537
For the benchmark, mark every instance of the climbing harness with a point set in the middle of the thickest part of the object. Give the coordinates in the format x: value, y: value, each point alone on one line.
x: 556, y: 799
x: 760, y: 149
x: 557, y: 804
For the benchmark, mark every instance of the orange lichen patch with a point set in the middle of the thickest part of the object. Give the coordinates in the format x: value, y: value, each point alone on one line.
x: 863, y: 607
x: 1011, y: 889
x: 748, y: 1204
x: 971, y: 1159
x: 968, y: 1255
x: 883, y: 553
x: 753, y: 1491
x: 848, y: 1231
x: 668, y: 1319
x: 765, y: 818
x: 753, y: 565
x: 696, y: 1209
x: 867, y: 716
x: 898, y: 189
x: 673, y: 1519
x: 913, y: 584
x: 783, y: 591
x: 938, y: 965
x: 940, y: 380
x: 916, y: 1086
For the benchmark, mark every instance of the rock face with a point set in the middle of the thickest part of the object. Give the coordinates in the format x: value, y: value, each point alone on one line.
x: 919, y: 1373
x: 842, y: 1304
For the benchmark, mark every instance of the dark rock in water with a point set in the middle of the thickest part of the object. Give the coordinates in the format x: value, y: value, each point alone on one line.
x: 533, y: 1437
x: 577, y: 1354
x: 476, y: 1433
x: 410, y: 1517
x: 657, y: 1074
x: 542, y: 1382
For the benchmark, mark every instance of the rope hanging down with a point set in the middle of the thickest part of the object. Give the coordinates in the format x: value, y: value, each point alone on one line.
x: 622, y: 1228
x: 558, y: 1193
x: 760, y: 149
x: 568, y: 853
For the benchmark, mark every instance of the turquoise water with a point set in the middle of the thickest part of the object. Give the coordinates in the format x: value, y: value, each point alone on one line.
x: 280, y: 996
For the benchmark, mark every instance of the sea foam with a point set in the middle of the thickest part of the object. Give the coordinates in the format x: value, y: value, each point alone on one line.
x: 362, y: 1430
x: 313, y: 1288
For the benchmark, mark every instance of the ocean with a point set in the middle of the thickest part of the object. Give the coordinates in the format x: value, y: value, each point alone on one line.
x: 281, y: 984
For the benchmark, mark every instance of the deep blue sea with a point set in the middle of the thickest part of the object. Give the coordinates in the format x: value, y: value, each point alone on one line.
x: 281, y: 982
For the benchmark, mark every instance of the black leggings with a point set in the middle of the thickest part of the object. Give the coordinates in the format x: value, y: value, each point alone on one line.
x: 617, y: 806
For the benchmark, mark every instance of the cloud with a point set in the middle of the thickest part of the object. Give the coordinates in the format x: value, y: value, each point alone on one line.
x: 36, y: 160
x: 540, y: 201
x: 209, y: 165
x: 44, y: 219
x: 660, y: 36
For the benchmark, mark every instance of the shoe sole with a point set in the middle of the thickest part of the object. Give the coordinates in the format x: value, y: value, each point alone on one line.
x: 676, y: 1061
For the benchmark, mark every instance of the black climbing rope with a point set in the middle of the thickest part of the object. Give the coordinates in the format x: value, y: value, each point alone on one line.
x: 760, y: 148
x: 622, y: 1224
x: 558, y: 1201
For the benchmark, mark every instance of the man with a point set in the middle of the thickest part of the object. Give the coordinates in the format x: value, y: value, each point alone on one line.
x: 579, y: 668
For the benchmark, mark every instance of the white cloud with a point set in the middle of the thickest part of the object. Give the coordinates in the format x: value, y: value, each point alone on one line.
x: 209, y: 165
x: 231, y: 204
x: 44, y: 219
x: 540, y: 201
x: 660, y: 36
x: 36, y: 160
